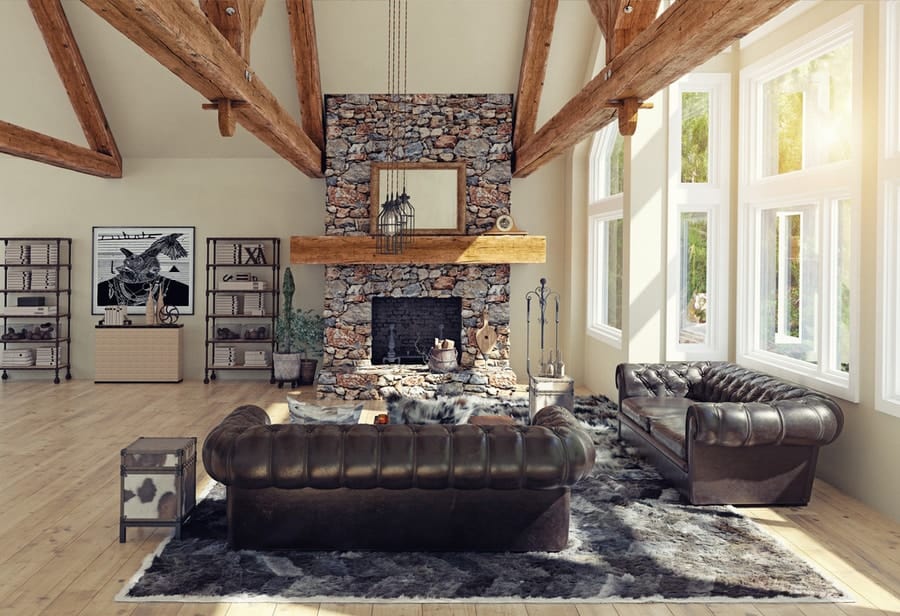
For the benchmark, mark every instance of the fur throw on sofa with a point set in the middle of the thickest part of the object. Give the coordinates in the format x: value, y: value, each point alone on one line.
x: 453, y: 409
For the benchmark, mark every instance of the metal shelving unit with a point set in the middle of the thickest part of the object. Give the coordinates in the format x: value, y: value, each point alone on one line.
x: 233, y: 263
x: 40, y: 268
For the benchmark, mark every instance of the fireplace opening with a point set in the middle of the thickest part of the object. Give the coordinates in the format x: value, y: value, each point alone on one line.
x: 404, y: 328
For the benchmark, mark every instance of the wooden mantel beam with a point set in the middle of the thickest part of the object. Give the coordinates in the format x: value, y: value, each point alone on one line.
x: 538, y: 36
x: 305, y: 51
x: 181, y: 38
x: 684, y: 36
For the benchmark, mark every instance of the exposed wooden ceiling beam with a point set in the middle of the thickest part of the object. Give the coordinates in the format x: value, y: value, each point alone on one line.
x: 632, y: 17
x: 539, y: 34
x: 32, y: 145
x: 178, y: 35
x: 102, y: 157
x: 236, y: 20
x: 305, y: 51
x: 680, y: 39
x: 602, y: 10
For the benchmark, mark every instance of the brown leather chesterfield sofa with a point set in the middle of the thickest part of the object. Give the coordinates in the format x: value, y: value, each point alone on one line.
x: 398, y: 487
x: 725, y: 434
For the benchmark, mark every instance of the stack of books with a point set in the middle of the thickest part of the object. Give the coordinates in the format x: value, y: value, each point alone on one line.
x: 46, y: 357
x: 43, y: 280
x: 225, y: 356
x: 227, y: 304
x: 256, y: 359
x: 45, y: 254
x: 254, y: 304
x: 228, y: 253
x: 18, y: 358
x: 17, y: 254
x: 18, y: 280
x: 40, y: 311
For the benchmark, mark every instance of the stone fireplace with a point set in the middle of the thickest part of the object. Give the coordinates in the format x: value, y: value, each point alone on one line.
x: 474, y: 129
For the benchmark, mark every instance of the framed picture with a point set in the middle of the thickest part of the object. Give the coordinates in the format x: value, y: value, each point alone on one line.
x: 130, y: 263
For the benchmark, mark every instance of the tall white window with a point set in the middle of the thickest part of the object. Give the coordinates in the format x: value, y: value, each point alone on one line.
x: 699, y: 188
x: 888, y: 380
x: 800, y: 196
x: 605, y: 236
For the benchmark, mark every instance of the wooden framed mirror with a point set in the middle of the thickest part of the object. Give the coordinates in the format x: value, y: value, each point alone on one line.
x: 437, y: 191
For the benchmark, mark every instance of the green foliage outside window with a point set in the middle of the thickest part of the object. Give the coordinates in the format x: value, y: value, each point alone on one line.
x: 695, y: 137
x: 617, y: 166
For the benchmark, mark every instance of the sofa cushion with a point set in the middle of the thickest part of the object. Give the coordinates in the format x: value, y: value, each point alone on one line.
x: 643, y: 410
x: 305, y: 413
x: 669, y: 433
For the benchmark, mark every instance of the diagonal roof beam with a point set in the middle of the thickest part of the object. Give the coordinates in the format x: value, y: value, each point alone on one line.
x: 539, y: 34
x: 306, y: 67
x: 102, y: 157
x: 632, y: 17
x: 604, y: 13
x: 236, y: 20
x: 181, y: 38
x: 680, y: 39
x: 42, y: 148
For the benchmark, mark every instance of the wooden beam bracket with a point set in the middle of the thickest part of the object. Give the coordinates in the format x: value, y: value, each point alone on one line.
x: 226, y: 118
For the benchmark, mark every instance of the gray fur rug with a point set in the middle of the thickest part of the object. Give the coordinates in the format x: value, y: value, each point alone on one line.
x: 631, y: 538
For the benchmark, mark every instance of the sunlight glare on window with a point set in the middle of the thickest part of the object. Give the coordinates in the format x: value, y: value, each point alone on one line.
x: 807, y: 113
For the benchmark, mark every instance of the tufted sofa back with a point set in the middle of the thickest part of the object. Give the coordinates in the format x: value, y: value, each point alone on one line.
x: 727, y: 382
x: 247, y: 452
x: 705, y: 381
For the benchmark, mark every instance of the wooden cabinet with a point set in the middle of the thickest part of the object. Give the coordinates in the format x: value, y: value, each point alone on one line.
x: 138, y: 354
x: 242, y: 293
x: 35, y: 314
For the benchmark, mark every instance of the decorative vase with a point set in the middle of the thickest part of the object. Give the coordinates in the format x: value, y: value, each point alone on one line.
x: 286, y: 368
x: 308, y: 371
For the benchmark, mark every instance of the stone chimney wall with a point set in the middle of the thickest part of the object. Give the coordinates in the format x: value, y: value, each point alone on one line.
x: 475, y: 129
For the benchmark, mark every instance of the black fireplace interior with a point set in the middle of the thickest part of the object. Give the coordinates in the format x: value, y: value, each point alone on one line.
x: 416, y: 321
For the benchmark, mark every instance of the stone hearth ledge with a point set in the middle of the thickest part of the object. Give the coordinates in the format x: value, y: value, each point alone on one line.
x: 378, y: 382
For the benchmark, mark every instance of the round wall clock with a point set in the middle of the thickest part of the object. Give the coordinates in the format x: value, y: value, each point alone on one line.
x: 505, y: 223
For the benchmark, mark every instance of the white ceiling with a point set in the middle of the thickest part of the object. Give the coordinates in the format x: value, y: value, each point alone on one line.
x: 461, y: 46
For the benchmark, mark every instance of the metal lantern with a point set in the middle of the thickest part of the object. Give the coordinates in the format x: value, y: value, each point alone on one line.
x: 391, y: 227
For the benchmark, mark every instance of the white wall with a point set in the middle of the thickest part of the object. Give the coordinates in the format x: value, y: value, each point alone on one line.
x: 224, y: 197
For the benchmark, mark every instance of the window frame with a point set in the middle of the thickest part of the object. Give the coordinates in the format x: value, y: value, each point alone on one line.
x: 601, y: 210
x: 887, y: 381
x: 833, y: 182
x: 712, y: 198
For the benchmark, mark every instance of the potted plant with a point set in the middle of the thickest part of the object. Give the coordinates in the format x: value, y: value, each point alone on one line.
x: 286, y: 359
x: 309, y: 332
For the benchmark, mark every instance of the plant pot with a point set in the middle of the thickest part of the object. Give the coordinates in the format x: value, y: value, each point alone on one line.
x: 308, y: 371
x: 286, y: 367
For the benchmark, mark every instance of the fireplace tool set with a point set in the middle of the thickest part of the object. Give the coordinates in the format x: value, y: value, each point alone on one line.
x: 548, y: 367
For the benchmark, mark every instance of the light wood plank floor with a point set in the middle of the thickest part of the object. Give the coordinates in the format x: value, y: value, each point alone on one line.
x: 59, y: 549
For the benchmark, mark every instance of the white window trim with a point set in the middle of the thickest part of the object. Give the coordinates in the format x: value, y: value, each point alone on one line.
x: 713, y: 199
x: 834, y: 181
x: 599, y: 214
x: 887, y: 382
x: 598, y: 174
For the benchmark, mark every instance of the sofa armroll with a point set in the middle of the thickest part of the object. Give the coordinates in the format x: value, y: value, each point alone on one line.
x: 812, y: 421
